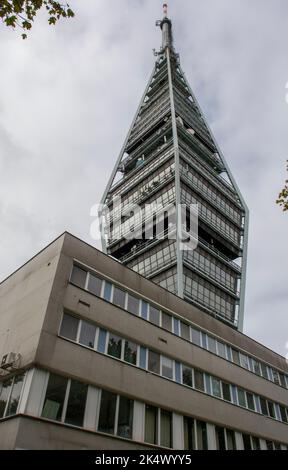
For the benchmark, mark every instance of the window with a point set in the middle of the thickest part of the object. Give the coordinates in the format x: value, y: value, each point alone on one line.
x: 283, y: 414
x: 176, y: 326
x: 282, y: 380
x: 15, y: 395
x: 143, y: 358
x: 54, y: 398
x: 199, y: 380
x: 246, y: 442
x: 166, y: 429
x: 212, y: 344
x: 241, y: 397
x: 204, y: 340
x: 244, y: 361
x: 102, y: 341
x: 69, y: 327
x: 230, y: 438
x: 226, y: 391
x: 125, y: 418
x: 264, y: 408
x: 154, y: 316
x: 177, y: 372
x: 151, y: 428
x: 271, y: 410
x: 130, y: 352
x: 269, y: 445
x: 76, y: 403
x: 114, y: 346
x: 235, y: 356
x: 196, y: 337
x: 264, y: 371
x: 255, y: 443
x: 216, y: 388
x: 185, y: 331
x: 189, y: 434
x: 202, y: 442
x: 78, y: 277
x: 220, y: 438
x: 275, y: 376
x: 133, y: 304
x: 94, y: 285
x: 144, y: 309
x: 106, y: 421
x: 167, y: 367
x: 154, y: 362
x: 221, y: 349
x: 166, y: 321
x: 250, y: 401
x: 119, y: 297
x: 187, y: 376
x: 87, y: 334
x: 107, y: 291
x: 256, y: 367
x: 4, y: 395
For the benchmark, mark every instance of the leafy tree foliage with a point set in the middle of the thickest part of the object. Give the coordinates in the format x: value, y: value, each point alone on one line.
x: 283, y: 196
x: 21, y: 13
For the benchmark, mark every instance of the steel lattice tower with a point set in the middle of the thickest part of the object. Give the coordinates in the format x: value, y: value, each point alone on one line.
x: 171, y: 157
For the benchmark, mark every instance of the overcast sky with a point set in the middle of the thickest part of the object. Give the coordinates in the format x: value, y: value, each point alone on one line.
x: 68, y: 95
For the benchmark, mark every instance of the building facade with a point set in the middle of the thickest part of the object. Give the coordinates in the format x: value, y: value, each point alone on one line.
x: 170, y: 161
x: 106, y: 359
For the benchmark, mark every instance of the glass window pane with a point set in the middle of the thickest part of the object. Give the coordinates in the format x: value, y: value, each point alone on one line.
x: 250, y: 401
x: 4, y: 395
x: 166, y: 429
x: 226, y: 391
x: 202, y: 442
x: 271, y: 410
x: 189, y: 434
x: 87, y: 334
x: 102, y: 341
x: 133, y: 304
x: 130, y: 352
x: 196, y: 337
x: 187, y: 376
x: 241, y: 397
x: 204, y: 340
x: 221, y: 349
x: 167, y: 367
x: 283, y: 414
x: 220, y: 438
x: 94, y: 285
x: 143, y: 358
x: 69, y: 327
x: 236, y: 357
x: 244, y: 361
x: 230, y: 436
x: 107, y: 291
x: 178, y: 372
x: 216, y: 388
x: 264, y: 407
x: 114, y: 346
x: 78, y: 277
x: 166, y: 321
x: 199, y: 380
x: 264, y: 371
x: 154, y: 316
x: 119, y: 297
x: 54, y: 398
x: 144, y: 309
x: 125, y: 418
x: 76, y: 403
x: 207, y: 382
x: 257, y: 369
x: 154, y: 362
x: 15, y: 395
x: 107, y: 412
x: 176, y: 326
x: 246, y: 441
x: 212, y: 344
x: 151, y: 430
x: 185, y: 331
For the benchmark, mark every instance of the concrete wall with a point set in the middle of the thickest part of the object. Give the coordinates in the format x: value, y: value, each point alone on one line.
x: 23, y: 301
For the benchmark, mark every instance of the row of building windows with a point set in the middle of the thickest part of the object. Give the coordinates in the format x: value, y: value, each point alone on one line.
x: 103, y: 341
x: 65, y: 401
x: 137, y: 306
x: 218, y: 220
x: 205, y: 293
x: 209, y: 265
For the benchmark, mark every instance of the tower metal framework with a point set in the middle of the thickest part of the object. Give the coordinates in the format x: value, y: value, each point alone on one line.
x: 171, y: 157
